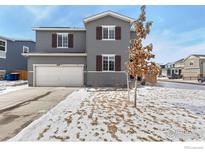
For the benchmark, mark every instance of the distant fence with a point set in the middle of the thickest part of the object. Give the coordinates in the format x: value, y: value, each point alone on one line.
x: 190, y: 78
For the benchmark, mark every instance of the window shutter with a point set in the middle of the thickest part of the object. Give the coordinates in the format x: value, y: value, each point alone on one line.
x: 70, y: 40
x: 118, y: 33
x: 98, y: 33
x: 98, y: 63
x: 54, y: 40
x: 117, y: 63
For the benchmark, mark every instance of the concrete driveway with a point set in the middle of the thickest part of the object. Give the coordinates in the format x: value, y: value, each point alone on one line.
x: 20, y: 108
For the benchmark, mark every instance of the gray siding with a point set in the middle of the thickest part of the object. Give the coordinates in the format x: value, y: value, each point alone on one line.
x: 44, y: 42
x: 14, y: 60
x: 98, y: 47
x: 102, y: 79
x: 132, y: 34
x: 95, y: 47
x: 52, y: 60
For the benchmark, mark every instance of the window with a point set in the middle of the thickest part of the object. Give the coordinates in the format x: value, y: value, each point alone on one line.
x: 25, y: 49
x: 2, y: 45
x: 62, y: 40
x: 191, y: 63
x: 108, y: 62
x: 108, y: 32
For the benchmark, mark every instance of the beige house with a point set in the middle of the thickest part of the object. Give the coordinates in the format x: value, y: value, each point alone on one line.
x: 194, y: 66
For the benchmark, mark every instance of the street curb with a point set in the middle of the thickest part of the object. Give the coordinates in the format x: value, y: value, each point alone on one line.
x: 181, y: 82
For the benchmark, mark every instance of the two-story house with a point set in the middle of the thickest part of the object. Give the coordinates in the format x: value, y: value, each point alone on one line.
x: 194, y: 66
x: 92, y: 56
x: 10, y: 54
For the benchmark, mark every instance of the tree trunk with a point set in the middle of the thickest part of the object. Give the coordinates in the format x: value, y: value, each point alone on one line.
x: 135, y: 96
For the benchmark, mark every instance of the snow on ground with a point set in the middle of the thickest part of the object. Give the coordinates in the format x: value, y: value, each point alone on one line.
x: 162, y: 114
x: 9, y: 86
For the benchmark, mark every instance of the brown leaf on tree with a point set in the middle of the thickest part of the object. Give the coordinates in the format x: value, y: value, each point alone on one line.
x: 139, y: 57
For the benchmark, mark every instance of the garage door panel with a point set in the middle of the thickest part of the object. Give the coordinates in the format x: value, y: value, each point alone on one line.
x: 59, y: 76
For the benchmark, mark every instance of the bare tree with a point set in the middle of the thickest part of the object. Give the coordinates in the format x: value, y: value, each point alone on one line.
x: 139, y: 64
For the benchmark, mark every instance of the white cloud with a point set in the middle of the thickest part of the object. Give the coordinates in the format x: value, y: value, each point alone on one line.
x: 170, y: 46
x: 40, y: 12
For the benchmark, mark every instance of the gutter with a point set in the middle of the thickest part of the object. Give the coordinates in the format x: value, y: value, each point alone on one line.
x: 57, y: 29
x: 54, y: 54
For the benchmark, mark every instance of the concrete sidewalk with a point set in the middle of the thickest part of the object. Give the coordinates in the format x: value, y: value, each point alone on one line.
x: 20, y: 108
x: 181, y: 81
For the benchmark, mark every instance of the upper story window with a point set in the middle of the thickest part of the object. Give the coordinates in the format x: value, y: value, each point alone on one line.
x: 2, y: 45
x: 108, y: 32
x: 62, y: 40
x: 25, y: 49
x: 108, y: 62
x: 191, y: 63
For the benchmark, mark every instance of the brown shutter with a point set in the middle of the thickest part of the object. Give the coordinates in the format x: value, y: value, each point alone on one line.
x: 70, y: 40
x: 54, y: 40
x: 117, y: 63
x: 98, y: 33
x: 118, y: 33
x: 98, y: 63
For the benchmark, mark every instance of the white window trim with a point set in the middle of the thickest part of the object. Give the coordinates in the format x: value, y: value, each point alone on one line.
x: 108, y: 55
x: 61, y: 47
x: 108, y: 26
x: 27, y: 48
x: 5, y: 45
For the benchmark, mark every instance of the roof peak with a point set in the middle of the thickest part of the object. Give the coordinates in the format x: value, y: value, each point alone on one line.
x: 108, y: 12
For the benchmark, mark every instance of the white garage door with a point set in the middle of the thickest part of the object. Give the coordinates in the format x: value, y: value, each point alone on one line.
x: 63, y: 75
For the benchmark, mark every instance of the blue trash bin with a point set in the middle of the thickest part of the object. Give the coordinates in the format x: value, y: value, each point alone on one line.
x: 12, y: 76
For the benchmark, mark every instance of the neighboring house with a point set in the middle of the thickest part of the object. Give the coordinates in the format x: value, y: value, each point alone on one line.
x: 194, y: 66
x: 163, y: 71
x: 171, y: 69
x: 90, y: 56
x: 10, y: 54
x: 167, y: 69
x: 178, y: 67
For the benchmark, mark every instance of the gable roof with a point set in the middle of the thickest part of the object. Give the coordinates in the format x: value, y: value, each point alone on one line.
x: 108, y: 13
x: 200, y: 56
x: 180, y: 60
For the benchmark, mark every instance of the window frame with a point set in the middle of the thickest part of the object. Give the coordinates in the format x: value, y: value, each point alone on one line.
x: 108, y: 26
x: 5, y: 41
x: 27, y: 48
x: 191, y: 63
x: 62, y: 34
x: 108, y: 55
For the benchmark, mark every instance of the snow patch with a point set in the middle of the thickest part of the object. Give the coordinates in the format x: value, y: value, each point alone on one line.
x: 162, y: 114
x: 57, y: 114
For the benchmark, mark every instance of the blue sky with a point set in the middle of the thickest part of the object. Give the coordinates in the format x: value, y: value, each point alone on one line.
x: 177, y: 31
